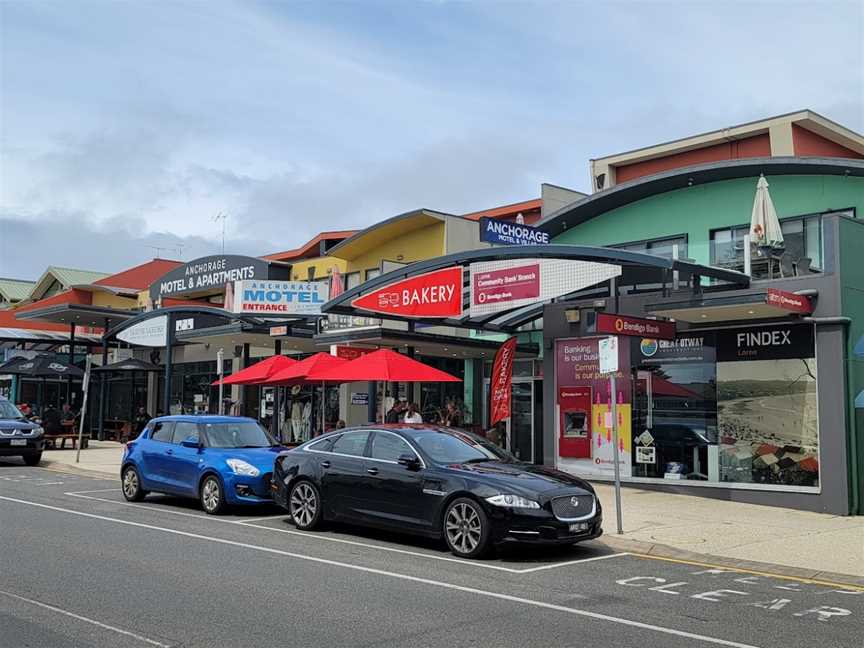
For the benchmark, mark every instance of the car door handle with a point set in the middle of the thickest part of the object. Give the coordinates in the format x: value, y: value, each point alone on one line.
x: 169, y: 451
x: 325, y: 464
x: 372, y: 471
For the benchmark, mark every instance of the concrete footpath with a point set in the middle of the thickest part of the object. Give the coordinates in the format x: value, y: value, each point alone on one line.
x: 728, y: 534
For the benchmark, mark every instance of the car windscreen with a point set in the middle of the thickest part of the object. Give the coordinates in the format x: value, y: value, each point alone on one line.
x: 9, y: 411
x: 242, y: 434
x: 454, y: 447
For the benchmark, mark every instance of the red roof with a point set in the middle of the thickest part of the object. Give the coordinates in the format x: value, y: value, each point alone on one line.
x: 310, y: 248
x: 71, y: 296
x: 141, y: 276
x: 507, y: 210
x: 7, y: 320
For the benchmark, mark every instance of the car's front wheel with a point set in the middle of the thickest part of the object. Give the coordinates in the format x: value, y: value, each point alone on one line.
x: 304, y: 505
x: 212, y: 496
x: 131, y: 485
x: 33, y: 459
x: 466, y: 528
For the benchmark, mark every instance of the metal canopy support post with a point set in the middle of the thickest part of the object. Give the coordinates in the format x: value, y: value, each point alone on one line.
x: 71, y: 362
x: 372, y: 407
x: 411, y: 392
x: 274, y: 424
x: 615, y: 458
x: 169, y: 340
x: 103, y: 380
x: 244, y: 389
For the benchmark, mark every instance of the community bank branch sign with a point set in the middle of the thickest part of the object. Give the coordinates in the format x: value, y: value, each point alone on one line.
x: 210, y: 274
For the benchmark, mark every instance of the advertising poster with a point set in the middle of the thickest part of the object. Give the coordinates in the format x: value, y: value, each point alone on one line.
x: 767, y: 405
x: 584, y: 392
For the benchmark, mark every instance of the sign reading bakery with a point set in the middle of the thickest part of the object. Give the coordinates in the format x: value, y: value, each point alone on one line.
x: 210, y: 274
x: 433, y: 294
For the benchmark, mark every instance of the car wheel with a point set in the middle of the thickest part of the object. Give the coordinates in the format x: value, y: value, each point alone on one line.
x: 212, y: 496
x: 466, y: 528
x: 33, y: 459
x: 305, y: 505
x: 131, y: 485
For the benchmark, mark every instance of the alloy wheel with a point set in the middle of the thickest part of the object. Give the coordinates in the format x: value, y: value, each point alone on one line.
x: 210, y: 496
x: 130, y: 483
x: 304, y: 504
x: 463, y: 527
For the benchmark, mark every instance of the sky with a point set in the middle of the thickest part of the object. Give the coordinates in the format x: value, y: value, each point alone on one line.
x: 125, y: 128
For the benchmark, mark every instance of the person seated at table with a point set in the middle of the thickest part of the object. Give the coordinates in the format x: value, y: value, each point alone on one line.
x: 413, y: 414
x: 51, y: 420
x: 68, y: 413
x: 142, y: 418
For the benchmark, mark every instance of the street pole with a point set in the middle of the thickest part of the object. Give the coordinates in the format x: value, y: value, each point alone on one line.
x: 86, y: 389
x: 220, y: 356
x: 614, y: 412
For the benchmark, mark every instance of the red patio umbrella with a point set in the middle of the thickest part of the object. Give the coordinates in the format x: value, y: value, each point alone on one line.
x: 306, y: 370
x: 259, y: 372
x: 385, y: 365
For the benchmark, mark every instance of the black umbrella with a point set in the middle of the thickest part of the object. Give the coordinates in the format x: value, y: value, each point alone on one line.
x: 42, y: 366
x: 131, y: 364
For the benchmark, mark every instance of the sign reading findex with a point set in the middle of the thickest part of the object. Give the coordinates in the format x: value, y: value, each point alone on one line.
x: 504, y: 233
x: 434, y: 294
x: 634, y: 326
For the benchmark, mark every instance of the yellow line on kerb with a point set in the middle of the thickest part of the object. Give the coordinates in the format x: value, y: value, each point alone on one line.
x: 810, y: 581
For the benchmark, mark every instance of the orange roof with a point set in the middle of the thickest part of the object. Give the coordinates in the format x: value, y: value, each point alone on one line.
x: 71, y: 296
x: 141, y: 276
x: 312, y: 245
x: 506, y: 210
x: 7, y: 320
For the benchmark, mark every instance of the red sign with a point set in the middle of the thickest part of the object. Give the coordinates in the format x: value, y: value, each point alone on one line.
x: 507, y: 285
x: 351, y: 353
x: 788, y: 301
x: 635, y: 326
x: 501, y: 382
x: 434, y: 294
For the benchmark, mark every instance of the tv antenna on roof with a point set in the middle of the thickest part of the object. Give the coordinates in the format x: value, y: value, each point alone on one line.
x: 223, y: 217
x: 163, y: 248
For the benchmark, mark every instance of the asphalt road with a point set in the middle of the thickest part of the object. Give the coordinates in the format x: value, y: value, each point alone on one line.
x: 79, y: 566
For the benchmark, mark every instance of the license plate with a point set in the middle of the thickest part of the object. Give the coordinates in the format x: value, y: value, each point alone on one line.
x: 578, y: 527
x: 18, y: 442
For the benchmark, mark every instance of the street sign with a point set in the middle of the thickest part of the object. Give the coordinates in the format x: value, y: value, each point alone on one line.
x: 613, y: 324
x: 608, y: 350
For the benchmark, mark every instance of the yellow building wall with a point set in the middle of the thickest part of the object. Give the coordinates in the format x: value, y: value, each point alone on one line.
x: 417, y: 245
x: 107, y: 300
x: 322, y: 265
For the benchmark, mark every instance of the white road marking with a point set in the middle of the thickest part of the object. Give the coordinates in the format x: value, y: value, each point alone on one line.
x: 356, y: 543
x: 99, y: 624
x: 405, y: 577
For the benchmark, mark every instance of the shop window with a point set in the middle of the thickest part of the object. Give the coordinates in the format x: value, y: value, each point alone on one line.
x: 669, y: 248
x: 352, y: 280
x: 372, y: 273
x: 801, y: 253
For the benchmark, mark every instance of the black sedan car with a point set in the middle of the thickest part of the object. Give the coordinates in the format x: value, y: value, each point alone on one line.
x: 18, y: 436
x: 433, y: 481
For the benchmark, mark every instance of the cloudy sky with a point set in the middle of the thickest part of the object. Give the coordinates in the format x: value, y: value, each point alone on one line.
x: 129, y: 126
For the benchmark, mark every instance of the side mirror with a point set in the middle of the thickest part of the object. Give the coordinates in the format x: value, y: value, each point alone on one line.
x: 190, y: 442
x: 408, y: 460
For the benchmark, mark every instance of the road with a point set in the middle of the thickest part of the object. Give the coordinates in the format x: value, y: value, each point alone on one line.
x: 82, y: 567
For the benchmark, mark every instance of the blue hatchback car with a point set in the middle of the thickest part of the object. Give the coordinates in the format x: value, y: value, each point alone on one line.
x: 221, y: 460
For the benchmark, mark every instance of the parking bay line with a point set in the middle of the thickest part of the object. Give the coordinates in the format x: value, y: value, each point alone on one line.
x: 405, y: 577
x: 99, y: 624
x: 356, y: 543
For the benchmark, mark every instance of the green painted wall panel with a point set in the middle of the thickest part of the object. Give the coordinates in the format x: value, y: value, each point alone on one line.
x: 698, y: 209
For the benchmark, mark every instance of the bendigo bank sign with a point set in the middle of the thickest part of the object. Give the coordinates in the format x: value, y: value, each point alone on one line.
x: 434, y: 294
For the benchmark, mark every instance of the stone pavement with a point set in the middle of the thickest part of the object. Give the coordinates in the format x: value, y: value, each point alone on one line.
x: 732, y: 534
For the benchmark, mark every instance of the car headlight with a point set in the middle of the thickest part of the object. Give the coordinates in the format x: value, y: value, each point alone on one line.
x: 240, y: 467
x: 512, y: 501
x: 37, y: 431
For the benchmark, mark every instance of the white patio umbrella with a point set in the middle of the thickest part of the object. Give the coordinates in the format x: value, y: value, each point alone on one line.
x: 764, y: 225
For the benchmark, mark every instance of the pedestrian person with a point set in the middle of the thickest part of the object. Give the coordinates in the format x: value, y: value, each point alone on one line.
x: 142, y: 418
x: 413, y: 414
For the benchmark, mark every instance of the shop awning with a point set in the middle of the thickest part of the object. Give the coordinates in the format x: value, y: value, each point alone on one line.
x: 78, y: 314
x: 769, y: 303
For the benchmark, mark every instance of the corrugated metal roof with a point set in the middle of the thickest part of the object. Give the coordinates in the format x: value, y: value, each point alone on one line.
x: 15, y: 289
x: 73, y: 276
